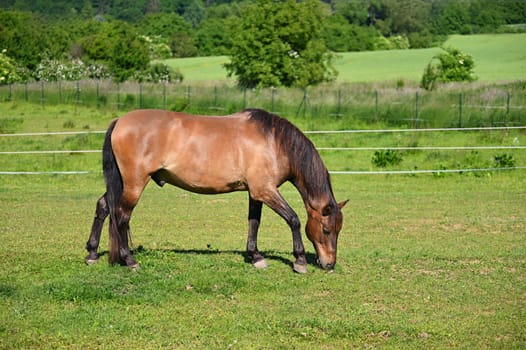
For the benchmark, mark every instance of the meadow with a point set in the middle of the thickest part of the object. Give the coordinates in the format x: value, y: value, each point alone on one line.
x: 433, y: 260
x: 498, y: 57
x: 424, y: 260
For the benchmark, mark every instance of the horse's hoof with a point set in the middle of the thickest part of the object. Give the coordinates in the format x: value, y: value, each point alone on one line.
x: 91, y: 261
x: 135, y: 267
x: 260, y: 264
x: 300, y: 268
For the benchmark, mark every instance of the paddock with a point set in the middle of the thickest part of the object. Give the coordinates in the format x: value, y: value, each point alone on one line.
x: 428, y: 260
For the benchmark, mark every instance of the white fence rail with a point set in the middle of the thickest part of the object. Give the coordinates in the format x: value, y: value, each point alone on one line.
x: 387, y: 172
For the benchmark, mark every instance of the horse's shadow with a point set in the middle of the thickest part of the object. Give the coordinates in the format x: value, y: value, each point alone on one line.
x: 269, y: 255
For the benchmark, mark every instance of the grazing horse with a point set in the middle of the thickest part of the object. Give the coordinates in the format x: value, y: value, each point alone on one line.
x: 252, y: 150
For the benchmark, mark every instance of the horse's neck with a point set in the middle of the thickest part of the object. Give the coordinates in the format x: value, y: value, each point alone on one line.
x: 315, y: 194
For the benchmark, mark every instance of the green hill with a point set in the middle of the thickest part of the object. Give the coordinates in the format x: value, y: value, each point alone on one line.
x: 497, y: 57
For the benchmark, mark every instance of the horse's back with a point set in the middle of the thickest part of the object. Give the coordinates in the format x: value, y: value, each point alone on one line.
x: 199, y: 153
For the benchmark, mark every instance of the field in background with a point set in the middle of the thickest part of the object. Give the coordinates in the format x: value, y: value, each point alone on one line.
x: 498, y: 57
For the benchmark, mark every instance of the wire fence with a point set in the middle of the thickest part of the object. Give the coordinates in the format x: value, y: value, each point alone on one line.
x: 335, y: 172
x: 407, y: 107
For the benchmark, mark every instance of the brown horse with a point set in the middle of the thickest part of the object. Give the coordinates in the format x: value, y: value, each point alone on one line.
x: 252, y: 151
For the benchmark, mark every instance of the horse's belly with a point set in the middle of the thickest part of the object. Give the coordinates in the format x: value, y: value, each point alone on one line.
x: 206, y: 182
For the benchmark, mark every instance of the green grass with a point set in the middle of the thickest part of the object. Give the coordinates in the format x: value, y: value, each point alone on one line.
x: 33, y: 118
x: 424, y: 261
x: 498, y: 57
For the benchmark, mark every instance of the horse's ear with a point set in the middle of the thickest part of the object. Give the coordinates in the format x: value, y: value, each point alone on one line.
x: 342, y: 204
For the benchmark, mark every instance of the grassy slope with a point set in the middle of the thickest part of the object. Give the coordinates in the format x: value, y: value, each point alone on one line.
x: 497, y: 57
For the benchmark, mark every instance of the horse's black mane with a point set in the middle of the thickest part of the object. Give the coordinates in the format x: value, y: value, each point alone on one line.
x: 307, y: 168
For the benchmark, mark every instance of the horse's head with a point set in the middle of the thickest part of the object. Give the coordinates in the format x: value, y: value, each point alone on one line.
x: 323, y: 227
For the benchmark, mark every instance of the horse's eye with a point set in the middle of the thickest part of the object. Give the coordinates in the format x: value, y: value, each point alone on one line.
x: 326, y: 232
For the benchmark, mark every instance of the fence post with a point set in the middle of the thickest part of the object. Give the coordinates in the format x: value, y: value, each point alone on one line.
x: 26, y: 93
x: 376, y: 103
x: 188, y: 94
x: 98, y: 97
x: 78, y: 92
x: 42, y: 92
x: 460, y: 110
x: 338, y: 112
x: 140, y: 95
x: 304, y: 103
x: 118, y: 97
x: 164, y: 95
x: 244, y: 98
x: 215, y: 96
x: 416, y: 110
x: 273, y: 93
x: 508, y: 97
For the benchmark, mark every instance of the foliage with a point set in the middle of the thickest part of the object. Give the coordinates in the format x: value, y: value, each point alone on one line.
x: 170, y: 29
x: 384, y: 158
x: 504, y: 161
x: 280, y: 44
x: 157, y: 48
x: 340, y: 36
x: 159, y: 73
x: 450, y: 65
x: 90, y: 30
x: 21, y: 35
x: 54, y: 70
x: 8, y: 70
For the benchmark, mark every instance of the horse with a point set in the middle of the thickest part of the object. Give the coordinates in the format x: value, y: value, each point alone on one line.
x: 252, y: 150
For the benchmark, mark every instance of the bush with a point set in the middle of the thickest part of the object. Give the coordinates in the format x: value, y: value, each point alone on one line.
x: 8, y: 69
x: 384, y: 158
x: 159, y: 73
x: 504, y: 161
x: 448, y: 66
x: 54, y: 70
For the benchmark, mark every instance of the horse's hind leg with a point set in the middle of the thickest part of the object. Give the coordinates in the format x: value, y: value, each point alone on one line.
x: 120, y: 230
x: 101, y: 212
x: 254, y: 218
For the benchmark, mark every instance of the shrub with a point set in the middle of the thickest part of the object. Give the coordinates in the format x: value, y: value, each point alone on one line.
x: 8, y: 69
x: 504, y: 161
x: 159, y: 73
x: 54, y: 70
x: 384, y: 158
x: 448, y: 66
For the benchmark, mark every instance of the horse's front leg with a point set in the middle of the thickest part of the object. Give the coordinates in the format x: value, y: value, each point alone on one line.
x: 275, y: 201
x: 254, y: 218
x: 101, y: 212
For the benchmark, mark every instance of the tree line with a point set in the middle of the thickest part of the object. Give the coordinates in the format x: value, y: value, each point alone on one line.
x: 98, y: 38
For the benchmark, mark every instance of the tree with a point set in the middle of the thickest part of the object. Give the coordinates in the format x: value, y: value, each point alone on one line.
x: 280, y: 44
x: 130, y: 54
x: 8, y: 71
x: 21, y: 35
x: 450, y: 65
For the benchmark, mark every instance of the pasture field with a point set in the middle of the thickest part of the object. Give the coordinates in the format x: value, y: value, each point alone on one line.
x: 424, y: 261
x: 498, y: 57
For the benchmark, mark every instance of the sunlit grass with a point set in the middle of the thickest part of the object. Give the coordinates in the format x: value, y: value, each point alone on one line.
x: 423, y: 261
x: 497, y: 57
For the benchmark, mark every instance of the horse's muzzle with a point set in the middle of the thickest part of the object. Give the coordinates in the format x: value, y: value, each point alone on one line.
x: 329, y: 266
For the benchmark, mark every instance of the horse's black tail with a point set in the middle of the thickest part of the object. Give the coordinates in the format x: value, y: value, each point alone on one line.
x: 114, y: 188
